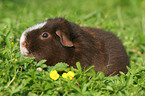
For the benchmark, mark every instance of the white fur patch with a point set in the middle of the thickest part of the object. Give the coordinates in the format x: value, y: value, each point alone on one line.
x: 24, y: 50
x: 38, y: 26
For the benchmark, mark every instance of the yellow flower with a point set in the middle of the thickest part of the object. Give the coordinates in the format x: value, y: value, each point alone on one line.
x: 12, y: 44
x: 16, y: 60
x: 68, y: 69
x: 54, y: 75
x: 70, y: 74
x: 64, y: 75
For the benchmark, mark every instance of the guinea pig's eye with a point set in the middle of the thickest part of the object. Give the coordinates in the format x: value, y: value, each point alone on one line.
x: 45, y: 35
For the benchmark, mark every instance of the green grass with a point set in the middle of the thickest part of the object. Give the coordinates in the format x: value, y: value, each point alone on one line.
x: 18, y: 76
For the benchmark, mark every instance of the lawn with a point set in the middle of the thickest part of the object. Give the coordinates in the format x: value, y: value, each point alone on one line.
x: 18, y: 75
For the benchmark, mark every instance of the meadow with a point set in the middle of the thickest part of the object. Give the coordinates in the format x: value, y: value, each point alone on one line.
x: 18, y: 75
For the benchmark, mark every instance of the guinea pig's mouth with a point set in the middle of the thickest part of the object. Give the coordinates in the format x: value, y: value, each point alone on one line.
x: 28, y: 55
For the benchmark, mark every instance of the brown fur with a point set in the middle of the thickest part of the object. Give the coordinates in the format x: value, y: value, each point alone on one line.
x: 71, y: 43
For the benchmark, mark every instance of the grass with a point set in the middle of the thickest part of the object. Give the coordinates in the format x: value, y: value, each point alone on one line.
x: 18, y: 76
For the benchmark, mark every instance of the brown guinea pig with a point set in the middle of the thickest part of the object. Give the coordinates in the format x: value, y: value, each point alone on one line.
x: 58, y: 40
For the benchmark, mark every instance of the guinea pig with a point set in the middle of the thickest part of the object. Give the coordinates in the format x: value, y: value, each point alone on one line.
x: 58, y: 40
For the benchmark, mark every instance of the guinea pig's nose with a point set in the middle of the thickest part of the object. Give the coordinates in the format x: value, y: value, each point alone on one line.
x: 23, y: 44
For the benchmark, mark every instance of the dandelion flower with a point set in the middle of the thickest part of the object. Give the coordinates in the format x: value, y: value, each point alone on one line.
x: 54, y: 75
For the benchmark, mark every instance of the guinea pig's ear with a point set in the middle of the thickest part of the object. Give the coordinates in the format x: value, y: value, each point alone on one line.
x: 64, y: 39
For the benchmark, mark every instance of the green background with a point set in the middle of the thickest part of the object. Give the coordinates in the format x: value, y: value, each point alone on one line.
x: 125, y: 18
